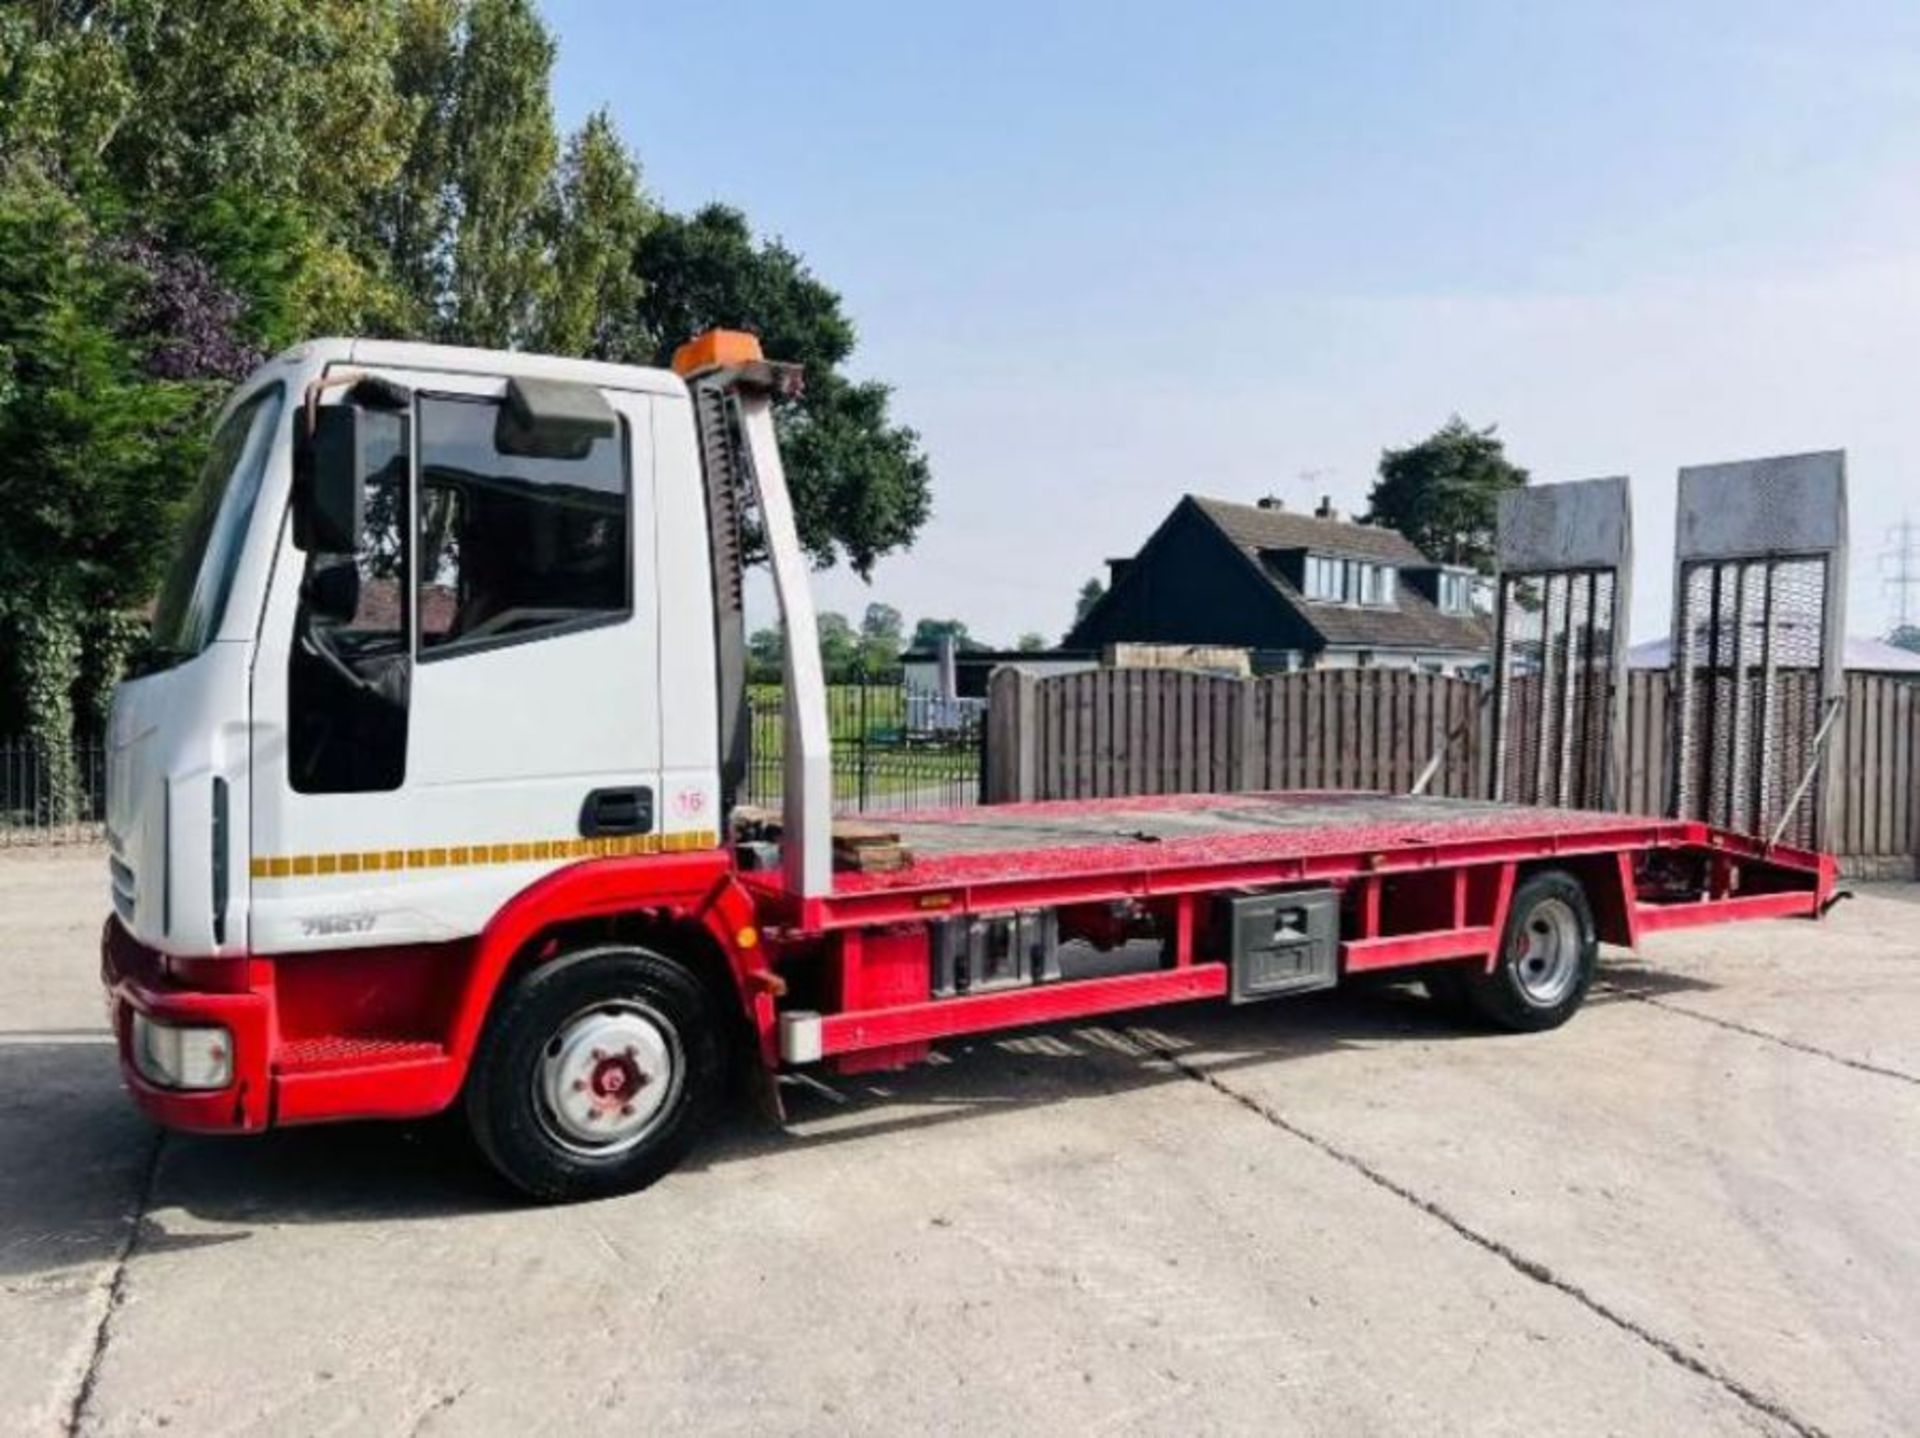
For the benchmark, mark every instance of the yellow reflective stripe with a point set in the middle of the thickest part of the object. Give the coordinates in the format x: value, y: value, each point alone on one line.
x: 373, y: 861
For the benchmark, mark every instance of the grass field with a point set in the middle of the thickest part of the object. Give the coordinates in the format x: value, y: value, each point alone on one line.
x: 887, y: 768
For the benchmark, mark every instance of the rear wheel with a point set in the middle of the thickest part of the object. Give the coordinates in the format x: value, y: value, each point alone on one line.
x: 596, y: 1074
x: 1546, y: 963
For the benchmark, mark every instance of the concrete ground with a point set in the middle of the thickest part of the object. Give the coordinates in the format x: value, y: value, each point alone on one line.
x: 1691, y: 1210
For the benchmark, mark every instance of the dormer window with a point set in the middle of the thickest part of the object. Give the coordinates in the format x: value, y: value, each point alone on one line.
x: 1326, y: 578
x: 1456, y: 592
x: 1349, y: 581
x: 1374, y: 584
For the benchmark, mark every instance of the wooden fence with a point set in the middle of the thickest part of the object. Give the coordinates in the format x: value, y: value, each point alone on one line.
x: 1114, y: 732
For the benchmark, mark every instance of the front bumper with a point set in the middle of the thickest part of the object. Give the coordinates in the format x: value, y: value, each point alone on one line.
x: 138, y: 981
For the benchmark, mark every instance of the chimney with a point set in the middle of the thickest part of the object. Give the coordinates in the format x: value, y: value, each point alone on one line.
x: 1271, y: 501
x: 1326, y: 509
x: 1117, y: 570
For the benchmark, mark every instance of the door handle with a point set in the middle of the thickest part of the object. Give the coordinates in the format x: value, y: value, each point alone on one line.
x: 617, y: 811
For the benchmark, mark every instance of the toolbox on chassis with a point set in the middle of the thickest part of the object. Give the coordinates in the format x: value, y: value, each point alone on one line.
x: 427, y: 799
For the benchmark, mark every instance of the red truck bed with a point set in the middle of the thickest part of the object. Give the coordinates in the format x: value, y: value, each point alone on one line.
x: 984, y: 843
x: 1422, y: 880
x: 1009, y: 855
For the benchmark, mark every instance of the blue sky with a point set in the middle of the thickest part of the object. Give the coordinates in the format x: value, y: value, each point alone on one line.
x: 1108, y: 254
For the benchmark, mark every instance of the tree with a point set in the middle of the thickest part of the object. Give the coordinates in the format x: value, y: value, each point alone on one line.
x: 1090, y: 594
x: 501, y: 152
x: 860, y: 482
x: 881, y: 637
x: 91, y: 458
x: 1031, y: 643
x: 256, y: 134
x: 274, y: 98
x: 766, y: 656
x: 928, y: 633
x: 839, y: 649
x: 1442, y: 493
x: 413, y: 219
x: 1906, y: 636
x: 593, y: 223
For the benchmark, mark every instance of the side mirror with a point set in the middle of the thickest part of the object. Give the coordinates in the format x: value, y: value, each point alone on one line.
x: 329, y: 480
x: 339, y: 446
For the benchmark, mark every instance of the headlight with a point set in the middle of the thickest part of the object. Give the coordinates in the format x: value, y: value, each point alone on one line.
x: 187, y: 1058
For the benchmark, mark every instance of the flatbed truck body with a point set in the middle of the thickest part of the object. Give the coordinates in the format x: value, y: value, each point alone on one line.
x: 578, y: 948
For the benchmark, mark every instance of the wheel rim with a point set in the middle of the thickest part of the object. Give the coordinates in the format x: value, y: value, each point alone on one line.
x: 607, y: 1078
x: 1546, y: 955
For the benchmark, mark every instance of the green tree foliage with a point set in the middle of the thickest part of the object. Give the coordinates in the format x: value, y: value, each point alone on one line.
x: 928, y: 633
x: 1442, y: 492
x: 839, y: 645
x: 501, y: 155
x: 766, y: 655
x: 881, y: 637
x: 90, y: 453
x: 860, y: 482
x: 1906, y: 636
x: 594, y: 223
x: 1031, y: 643
x: 412, y: 220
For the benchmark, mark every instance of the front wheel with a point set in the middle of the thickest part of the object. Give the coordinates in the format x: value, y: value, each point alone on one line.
x: 595, y: 1075
x: 1548, y: 953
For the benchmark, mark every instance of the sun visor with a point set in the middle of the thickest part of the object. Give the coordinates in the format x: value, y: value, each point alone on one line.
x: 552, y: 419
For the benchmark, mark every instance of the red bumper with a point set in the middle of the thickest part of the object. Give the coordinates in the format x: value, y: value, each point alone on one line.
x: 138, y: 980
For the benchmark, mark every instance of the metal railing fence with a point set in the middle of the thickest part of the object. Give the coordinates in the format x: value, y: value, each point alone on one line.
x: 52, y: 795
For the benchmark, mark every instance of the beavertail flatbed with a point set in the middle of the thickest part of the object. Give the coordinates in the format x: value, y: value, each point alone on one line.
x: 1411, y: 883
x: 988, y: 855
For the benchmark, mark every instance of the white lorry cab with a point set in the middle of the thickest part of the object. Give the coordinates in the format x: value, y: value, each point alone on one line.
x: 465, y: 657
x: 428, y: 798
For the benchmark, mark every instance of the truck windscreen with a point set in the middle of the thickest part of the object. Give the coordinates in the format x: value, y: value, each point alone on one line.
x: 194, y: 594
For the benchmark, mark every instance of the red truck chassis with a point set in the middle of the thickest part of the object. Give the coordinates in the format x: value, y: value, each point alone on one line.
x: 390, y: 1032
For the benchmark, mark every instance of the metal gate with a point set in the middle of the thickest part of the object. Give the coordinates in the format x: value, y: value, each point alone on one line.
x: 1565, y: 555
x: 1759, y: 608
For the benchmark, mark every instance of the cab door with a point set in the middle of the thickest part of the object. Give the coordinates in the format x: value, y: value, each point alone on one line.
x: 521, y: 593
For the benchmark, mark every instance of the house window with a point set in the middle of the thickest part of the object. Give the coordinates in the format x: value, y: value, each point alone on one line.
x: 1373, y: 584
x: 1326, y: 578
x: 1456, y: 593
x: 1350, y: 581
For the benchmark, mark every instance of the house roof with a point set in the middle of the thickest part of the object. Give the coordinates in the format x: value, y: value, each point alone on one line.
x: 1254, y: 529
x: 1411, y: 623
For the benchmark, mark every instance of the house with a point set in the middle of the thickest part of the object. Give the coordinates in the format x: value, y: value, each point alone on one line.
x: 1297, y: 590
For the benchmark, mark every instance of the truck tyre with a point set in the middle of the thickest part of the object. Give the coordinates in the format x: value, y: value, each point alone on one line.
x: 595, y: 1074
x: 1548, y: 952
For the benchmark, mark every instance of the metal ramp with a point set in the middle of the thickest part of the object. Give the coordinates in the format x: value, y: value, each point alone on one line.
x: 1565, y: 556
x: 1758, y: 619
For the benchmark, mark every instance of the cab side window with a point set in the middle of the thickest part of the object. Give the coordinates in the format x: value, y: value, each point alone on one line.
x: 514, y: 547
x: 351, y: 669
